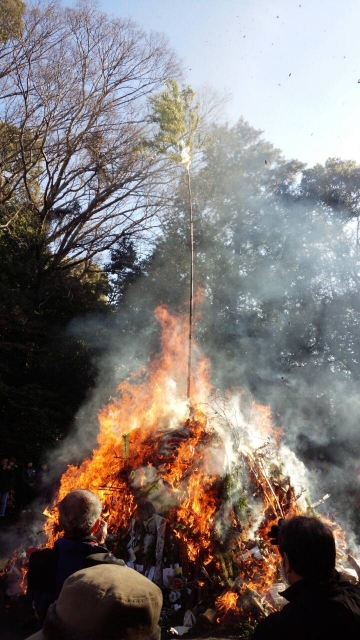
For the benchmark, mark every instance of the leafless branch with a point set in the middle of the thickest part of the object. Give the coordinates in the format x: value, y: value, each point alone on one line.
x: 73, y: 117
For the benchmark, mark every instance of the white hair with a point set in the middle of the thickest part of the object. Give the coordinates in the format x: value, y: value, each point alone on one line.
x: 78, y: 512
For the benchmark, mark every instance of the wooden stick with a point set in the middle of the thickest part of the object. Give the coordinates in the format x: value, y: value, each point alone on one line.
x: 191, y: 301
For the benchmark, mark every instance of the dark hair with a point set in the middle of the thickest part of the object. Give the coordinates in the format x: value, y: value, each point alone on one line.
x: 309, y: 545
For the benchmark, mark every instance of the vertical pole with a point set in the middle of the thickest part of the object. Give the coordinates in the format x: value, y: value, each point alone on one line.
x: 191, y: 299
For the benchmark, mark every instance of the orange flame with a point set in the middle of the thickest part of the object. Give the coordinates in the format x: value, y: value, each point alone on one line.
x: 149, y: 448
x: 227, y: 601
x: 147, y: 408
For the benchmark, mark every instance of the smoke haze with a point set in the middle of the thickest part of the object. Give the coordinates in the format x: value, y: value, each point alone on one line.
x: 277, y: 266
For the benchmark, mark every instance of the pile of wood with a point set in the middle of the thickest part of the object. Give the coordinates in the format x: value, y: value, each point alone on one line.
x: 221, y: 573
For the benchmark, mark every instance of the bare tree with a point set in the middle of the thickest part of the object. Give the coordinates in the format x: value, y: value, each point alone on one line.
x: 73, y: 111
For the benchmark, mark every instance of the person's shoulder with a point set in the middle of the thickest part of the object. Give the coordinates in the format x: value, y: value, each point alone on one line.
x: 42, y: 569
x: 349, y: 594
x: 64, y: 545
x: 84, y: 546
x: 43, y: 557
x: 103, y: 558
x: 282, y: 624
x: 271, y: 627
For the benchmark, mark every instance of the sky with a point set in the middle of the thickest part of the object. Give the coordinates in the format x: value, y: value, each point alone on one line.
x: 291, y: 66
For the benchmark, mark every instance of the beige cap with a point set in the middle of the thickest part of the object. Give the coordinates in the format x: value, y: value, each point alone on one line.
x: 105, y: 602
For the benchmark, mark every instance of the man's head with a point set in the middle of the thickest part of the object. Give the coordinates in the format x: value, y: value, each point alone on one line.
x: 307, y: 547
x: 79, y: 513
x: 106, y: 601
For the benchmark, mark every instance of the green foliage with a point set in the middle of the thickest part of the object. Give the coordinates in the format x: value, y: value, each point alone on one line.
x: 177, y: 117
x: 336, y: 185
x: 241, y: 504
x: 124, y: 269
x: 45, y: 371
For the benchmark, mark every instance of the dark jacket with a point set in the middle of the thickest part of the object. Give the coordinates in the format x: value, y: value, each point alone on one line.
x: 5, y: 479
x: 316, y: 611
x: 28, y: 476
x: 72, y: 554
x: 49, y: 568
x: 14, y: 476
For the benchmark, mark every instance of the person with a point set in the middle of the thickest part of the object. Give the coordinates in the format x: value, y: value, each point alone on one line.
x: 14, y: 478
x: 5, y: 485
x: 27, y: 486
x: 82, y: 545
x: 42, y: 485
x: 111, y: 602
x: 320, y: 605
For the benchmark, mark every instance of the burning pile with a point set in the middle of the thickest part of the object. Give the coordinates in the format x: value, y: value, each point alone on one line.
x: 190, y: 495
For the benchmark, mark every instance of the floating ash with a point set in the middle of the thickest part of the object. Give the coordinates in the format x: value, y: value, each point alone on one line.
x: 190, y: 493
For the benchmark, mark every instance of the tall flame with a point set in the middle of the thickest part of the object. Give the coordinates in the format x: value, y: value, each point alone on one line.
x: 148, y: 405
x: 219, y: 499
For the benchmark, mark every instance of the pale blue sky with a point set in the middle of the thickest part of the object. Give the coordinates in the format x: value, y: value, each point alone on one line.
x: 252, y: 46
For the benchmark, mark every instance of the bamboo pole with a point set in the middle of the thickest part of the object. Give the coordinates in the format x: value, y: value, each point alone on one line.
x: 191, y: 297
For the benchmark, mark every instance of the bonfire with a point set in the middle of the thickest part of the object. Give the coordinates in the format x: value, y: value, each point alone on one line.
x: 191, y: 492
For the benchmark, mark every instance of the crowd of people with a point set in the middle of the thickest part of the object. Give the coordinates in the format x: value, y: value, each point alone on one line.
x: 23, y: 485
x: 81, y: 591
